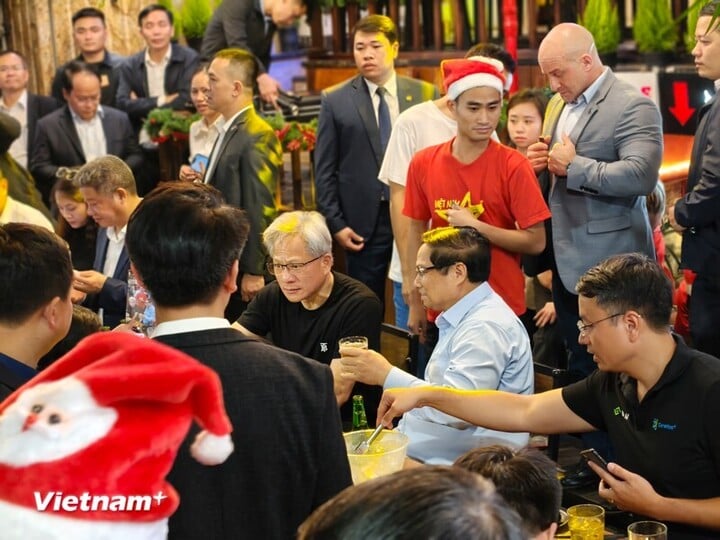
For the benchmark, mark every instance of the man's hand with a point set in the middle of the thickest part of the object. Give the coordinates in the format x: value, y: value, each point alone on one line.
x: 561, y: 156
x: 626, y: 490
x: 349, y: 239
x: 537, y: 153
x: 417, y: 317
x: 88, y: 281
x: 545, y: 315
x: 250, y: 285
x: 397, y: 401
x: 77, y: 297
x: 342, y: 387
x: 671, y: 218
x: 364, y: 366
x: 269, y: 89
x: 188, y: 174
x: 459, y: 216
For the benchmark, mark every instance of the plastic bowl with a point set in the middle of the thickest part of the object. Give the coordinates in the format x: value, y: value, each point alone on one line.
x: 386, y: 454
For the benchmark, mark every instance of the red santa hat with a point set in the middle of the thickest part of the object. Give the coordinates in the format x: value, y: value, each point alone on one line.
x: 107, y: 420
x: 463, y: 74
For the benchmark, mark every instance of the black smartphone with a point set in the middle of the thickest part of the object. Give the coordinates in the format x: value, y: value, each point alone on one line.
x: 199, y: 163
x: 592, y: 455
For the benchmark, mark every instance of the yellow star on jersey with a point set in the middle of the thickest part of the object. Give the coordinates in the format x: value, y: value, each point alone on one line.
x: 475, y: 209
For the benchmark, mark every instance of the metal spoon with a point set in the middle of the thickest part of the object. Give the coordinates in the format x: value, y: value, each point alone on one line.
x: 364, y: 446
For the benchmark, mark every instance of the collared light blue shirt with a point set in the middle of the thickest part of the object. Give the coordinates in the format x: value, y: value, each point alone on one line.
x: 572, y: 111
x: 482, y: 345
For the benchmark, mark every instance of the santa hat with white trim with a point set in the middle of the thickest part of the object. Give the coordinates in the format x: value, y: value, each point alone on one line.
x: 463, y: 74
x: 107, y: 419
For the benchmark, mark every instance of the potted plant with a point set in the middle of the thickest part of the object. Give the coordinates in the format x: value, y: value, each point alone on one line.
x: 194, y: 18
x: 655, y: 31
x: 170, y: 130
x: 603, y: 22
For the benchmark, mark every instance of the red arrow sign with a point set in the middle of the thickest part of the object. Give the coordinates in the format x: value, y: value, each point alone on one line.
x: 682, y: 111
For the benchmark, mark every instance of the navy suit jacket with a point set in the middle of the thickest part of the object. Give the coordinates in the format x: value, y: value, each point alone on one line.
x: 133, y: 78
x: 57, y: 145
x: 113, y: 296
x: 348, y: 153
x: 289, y: 453
x: 37, y: 107
x: 699, y: 210
x: 239, y: 24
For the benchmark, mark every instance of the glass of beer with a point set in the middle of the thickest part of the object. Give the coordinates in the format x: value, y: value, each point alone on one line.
x: 586, y: 522
x: 647, y: 530
x: 358, y: 342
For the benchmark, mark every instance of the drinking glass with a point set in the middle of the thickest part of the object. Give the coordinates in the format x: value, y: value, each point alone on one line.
x: 647, y: 530
x: 358, y: 342
x: 586, y: 522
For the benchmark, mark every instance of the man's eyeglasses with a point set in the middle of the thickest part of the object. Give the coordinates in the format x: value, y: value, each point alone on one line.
x: 276, y: 268
x: 585, y: 328
x: 422, y: 270
x: 15, y: 67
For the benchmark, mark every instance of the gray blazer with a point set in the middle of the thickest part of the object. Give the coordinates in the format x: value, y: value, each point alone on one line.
x: 598, y: 210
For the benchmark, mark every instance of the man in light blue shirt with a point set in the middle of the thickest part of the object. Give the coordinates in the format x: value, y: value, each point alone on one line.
x: 482, y: 345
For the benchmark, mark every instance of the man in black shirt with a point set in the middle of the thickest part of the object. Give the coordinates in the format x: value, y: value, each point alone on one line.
x: 90, y: 33
x: 657, y: 399
x: 310, y: 307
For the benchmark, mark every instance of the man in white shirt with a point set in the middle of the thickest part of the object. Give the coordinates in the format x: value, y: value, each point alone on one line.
x: 81, y: 131
x: 108, y: 187
x: 16, y: 101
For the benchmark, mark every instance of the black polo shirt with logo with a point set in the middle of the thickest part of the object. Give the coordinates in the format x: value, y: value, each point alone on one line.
x: 671, y: 438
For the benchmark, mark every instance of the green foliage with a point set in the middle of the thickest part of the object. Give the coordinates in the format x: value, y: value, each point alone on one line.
x: 691, y: 21
x: 603, y: 22
x: 294, y: 135
x: 654, y: 29
x: 176, y: 16
x: 195, y: 16
x: 164, y: 123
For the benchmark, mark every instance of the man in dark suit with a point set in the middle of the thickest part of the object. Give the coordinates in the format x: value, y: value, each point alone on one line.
x: 244, y: 163
x: 35, y: 285
x: 16, y: 101
x: 108, y: 187
x: 159, y: 75
x: 289, y: 454
x: 353, y: 129
x: 251, y: 25
x: 81, y: 131
x: 697, y: 214
x: 89, y: 34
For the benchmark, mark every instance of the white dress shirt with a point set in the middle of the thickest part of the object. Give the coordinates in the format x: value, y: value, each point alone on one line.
x: 91, y: 135
x: 18, y: 149
x: 114, y: 248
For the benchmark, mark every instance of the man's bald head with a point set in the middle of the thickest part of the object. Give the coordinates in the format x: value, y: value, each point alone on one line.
x: 568, y: 40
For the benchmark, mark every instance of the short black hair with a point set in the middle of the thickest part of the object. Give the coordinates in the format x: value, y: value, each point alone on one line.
x: 88, y: 12
x: 74, y: 67
x: 147, y: 10
x: 35, y: 267
x: 492, y: 50
x: 242, y: 65
x: 450, y: 245
x: 377, y: 23
x: 424, y: 502
x: 183, y: 240
x: 16, y: 53
x: 526, y: 479
x: 630, y: 281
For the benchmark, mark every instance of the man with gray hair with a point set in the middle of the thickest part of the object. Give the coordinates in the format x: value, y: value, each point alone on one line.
x: 108, y: 186
x: 309, y: 307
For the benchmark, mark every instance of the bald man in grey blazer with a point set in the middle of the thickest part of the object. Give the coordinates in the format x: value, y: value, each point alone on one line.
x: 600, y: 156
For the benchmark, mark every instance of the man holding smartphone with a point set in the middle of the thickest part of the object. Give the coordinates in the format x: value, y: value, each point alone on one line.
x: 657, y: 399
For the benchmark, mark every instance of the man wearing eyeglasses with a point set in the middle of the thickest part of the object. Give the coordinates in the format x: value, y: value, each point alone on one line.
x: 482, y: 345
x: 309, y: 307
x: 657, y: 399
x: 81, y: 130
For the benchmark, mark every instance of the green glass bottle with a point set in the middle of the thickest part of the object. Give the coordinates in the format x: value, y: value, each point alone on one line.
x: 359, y: 420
